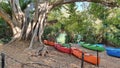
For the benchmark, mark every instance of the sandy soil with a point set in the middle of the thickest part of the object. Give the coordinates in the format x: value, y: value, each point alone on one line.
x: 18, y: 57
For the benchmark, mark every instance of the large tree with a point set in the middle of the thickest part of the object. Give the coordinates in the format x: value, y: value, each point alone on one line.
x: 29, y: 23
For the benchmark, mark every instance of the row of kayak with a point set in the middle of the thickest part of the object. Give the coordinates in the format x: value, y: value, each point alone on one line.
x: 75, y: 51
x: 111, y: 51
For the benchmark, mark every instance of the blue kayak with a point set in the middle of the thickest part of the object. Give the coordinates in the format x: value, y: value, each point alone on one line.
x: 111, y: 51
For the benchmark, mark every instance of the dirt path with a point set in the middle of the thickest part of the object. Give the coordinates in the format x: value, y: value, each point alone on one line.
x: 53, y: 59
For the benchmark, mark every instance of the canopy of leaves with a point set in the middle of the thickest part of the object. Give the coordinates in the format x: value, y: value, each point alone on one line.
x: 93, y: 24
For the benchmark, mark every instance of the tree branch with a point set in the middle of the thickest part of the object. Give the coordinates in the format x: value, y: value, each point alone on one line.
x: 17, y: 12
x: 52, y: 21
x: 104, y: 2
x: 7, y: 18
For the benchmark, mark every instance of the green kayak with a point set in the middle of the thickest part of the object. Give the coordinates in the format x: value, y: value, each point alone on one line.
x: 81, y: 43
x: 94, y: 47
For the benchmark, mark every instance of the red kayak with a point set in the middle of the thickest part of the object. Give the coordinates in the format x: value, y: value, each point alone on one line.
x: 60, y: 48
x: 49, y: 42
x: 87, y: 57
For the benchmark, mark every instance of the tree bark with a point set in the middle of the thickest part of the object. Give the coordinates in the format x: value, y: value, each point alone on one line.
x: 110, y: 3
x: 17, y: 12
x: 8, y: 20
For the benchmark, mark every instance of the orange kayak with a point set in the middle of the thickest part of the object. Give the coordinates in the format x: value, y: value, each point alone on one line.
x: 87, y: 57
x: 49, y: 42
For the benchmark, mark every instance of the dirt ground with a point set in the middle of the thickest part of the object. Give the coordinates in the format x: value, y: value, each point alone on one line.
x: 17, y: 56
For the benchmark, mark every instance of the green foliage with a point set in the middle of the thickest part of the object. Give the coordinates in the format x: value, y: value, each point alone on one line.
x: 24, y: 3
x: 50, y: 33
x: 72, y: 18
x: 98, y: 10
x: 55, y: 14
x: 114, y: 38
x: 114, y: 16
x: 5, y: 34
x: 6, y: 7
x: 118, y: 1
x: 86, y: 23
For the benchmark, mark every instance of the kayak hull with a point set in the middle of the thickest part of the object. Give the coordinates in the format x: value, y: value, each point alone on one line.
x: 60, y: 48
x: 87, y: 57
x: 49, y: 42
x: 115, y: 52
x: 94, y: 47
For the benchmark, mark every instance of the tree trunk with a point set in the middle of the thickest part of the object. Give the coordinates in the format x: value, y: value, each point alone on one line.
x: 7, y: 18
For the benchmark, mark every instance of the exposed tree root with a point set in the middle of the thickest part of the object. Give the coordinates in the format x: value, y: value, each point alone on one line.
x: 11, y: 41
x: 42, y: 52
x: 15, y: 38
x: 31, y: 52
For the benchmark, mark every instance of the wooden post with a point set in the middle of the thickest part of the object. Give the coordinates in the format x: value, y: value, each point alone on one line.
x: 97, y: 58
x: 2, y: 60
x: 82, y: 63
x: 70, y: 49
